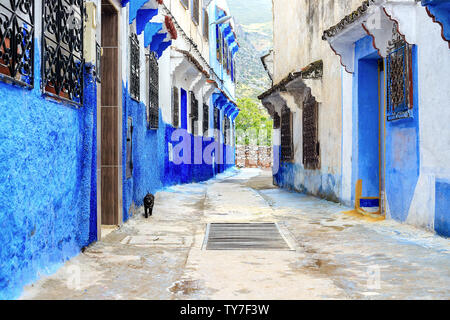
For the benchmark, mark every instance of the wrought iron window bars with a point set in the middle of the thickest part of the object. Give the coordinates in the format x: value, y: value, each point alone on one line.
x: 62, y: 50
x: 153, y: 103
x: 311, y: 147
x: 205, y: 118
x: 194, y: 114
x: 175, y: 107
x: 399, y: 78
x: 17, y: 42
x: 226, y: 131
x: 135, y: 69
x: 287, y: 147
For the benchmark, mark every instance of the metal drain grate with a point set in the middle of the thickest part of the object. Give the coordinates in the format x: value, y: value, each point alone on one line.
x: 244, y: 236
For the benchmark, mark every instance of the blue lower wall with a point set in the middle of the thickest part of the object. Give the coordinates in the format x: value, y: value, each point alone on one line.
x: 442, y: 209
x: 402, y: 137
x: 403, y: 157
x: 47, y: 174
x: 313, y: 182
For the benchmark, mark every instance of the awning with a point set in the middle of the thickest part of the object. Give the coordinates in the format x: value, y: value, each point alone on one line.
x: 157, y: 34
x: 222, y: 102
x: 375, y: 18
x: 295, y: 84
x: 439, y: 10
x: 228, y: 33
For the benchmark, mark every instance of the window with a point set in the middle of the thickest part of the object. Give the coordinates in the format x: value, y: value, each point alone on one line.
x: 129, y: 163
x: 226, y: 131
x: 135, y: 70
x: 276, y: 121
x: 219, y: 44
x: 17, y: 42
x: 153, y: 93
x: 216, y: 124
x: 399, y: 78
x: 287, y: 153
x: 62, y: 65
x: 205, y: 119
x: 175, y: 107
x: 194, y: 114
x: 185, y: 3
x: 195, y: 11
x: 205, y: 24
x: 311, y: 147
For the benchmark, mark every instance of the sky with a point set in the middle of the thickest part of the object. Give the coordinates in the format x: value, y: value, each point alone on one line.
x: 251, y: 11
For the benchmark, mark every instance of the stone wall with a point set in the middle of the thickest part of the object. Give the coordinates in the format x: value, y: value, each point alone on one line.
x: 254, y: 156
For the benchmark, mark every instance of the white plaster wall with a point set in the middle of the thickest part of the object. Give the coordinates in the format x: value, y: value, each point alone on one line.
x: 434, y: 117
x: 298, y: 29
x: 165, y: 87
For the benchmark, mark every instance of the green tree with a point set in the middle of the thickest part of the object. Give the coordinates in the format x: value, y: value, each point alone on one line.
x: 253, y: 124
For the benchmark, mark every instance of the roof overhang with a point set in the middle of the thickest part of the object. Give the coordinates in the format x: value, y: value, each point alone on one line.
x: 222, y: 102
x: 439, y: 11
x: 292, y: 87
x: 375, y: 18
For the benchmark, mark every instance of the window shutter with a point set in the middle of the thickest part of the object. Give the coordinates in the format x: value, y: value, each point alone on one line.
x: 175, y: 107
x: 311, y: 146
x: 287, y: 153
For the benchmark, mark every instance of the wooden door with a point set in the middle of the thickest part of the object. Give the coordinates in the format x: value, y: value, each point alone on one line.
x: 110, y: 160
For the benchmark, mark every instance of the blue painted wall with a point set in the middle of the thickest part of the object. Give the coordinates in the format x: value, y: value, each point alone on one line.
x: 403, y: 157
x: 442, y: 209
x: 368, y: 125
x: 183, y: 112
x: 48, y: 188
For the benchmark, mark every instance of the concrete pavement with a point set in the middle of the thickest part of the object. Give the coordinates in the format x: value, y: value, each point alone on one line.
x: 334, y: 256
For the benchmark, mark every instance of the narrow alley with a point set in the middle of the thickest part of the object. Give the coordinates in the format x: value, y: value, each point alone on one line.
x: 332, y: 254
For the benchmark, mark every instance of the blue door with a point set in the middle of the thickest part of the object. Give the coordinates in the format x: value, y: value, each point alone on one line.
x: 183, y: 109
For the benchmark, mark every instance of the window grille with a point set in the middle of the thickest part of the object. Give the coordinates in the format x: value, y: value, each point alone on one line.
x: 226, y: 131
x: 196, y: 11
x: 399, y: 78
x: 216, y: 124
x: 153, y: 103
x: 129, y: 162
x: 17, y: 42
x: 205, y: 118
x: 134, y: 67
x: 185, y: 3
x: 62, y: 65
x: 311, y: 147
x: 205, y: 24
x: 276, y: 121
x: 175, y: 107
x: 287, y: 153
x: 194, y: 114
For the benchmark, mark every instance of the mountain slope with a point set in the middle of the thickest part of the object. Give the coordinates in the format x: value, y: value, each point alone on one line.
x: 254, y: 30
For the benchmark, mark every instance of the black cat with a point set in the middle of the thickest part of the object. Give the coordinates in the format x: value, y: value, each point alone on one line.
x: 149, y: 201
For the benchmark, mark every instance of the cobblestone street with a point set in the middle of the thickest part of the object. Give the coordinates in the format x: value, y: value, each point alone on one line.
x: 334, y: 255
